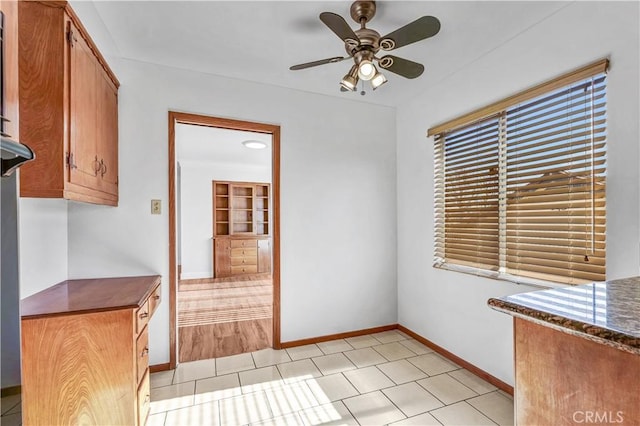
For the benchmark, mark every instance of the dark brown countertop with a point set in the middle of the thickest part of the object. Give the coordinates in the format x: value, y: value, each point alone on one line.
x: 89, y: 295
x: 608, y: 312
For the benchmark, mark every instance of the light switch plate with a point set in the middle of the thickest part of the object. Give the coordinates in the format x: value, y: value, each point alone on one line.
x: 156, y: 206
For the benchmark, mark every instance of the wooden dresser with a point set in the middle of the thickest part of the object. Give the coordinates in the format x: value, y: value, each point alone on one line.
x: 85, y: 347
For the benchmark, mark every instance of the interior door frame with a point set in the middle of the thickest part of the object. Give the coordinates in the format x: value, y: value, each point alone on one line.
x: 230, y: 124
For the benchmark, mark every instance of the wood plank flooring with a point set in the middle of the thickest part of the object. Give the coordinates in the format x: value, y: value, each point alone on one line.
x: 222, y: 317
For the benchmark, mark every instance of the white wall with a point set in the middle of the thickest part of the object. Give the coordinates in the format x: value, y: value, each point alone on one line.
x: 338, y: 212
x: 450, y: 308
x: 43, y: 244
x: 197, y: 209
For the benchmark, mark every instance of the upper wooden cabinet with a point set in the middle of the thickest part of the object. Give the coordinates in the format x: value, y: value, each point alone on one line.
x: 9, y: 122
x: 68, y: 108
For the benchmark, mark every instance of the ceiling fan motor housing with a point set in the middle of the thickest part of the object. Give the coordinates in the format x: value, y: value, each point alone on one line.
x: 369, y: 40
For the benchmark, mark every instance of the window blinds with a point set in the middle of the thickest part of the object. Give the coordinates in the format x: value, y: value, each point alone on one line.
x: 521, y: 192
x: 467, y: 164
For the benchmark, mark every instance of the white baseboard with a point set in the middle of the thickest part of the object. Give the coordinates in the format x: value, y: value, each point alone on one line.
x: 195, y: 275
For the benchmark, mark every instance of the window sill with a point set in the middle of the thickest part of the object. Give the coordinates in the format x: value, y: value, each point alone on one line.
x: 500, y: 276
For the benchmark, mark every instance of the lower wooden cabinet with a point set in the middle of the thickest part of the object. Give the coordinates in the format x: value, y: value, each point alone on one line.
x: 240, y: 256
x: 85, y: 352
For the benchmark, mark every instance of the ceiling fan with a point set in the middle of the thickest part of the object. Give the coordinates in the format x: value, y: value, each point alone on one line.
x: 364, y: 44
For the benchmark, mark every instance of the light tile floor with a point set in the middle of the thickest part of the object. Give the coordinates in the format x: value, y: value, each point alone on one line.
x: 378, y: 379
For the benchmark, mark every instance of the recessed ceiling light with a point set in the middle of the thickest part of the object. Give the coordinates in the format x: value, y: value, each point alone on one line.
x: 254, y: 144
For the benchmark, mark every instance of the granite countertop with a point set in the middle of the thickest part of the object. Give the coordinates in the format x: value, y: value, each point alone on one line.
x: 607, y: 312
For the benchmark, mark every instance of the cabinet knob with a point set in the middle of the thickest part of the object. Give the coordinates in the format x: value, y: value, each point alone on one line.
x: 145, y: 352
x: 157, y: 296
x: 144, y: 315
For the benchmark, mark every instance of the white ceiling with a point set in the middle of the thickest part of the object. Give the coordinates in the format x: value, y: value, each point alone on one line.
x: 260, y: 40
x: 215, y: 145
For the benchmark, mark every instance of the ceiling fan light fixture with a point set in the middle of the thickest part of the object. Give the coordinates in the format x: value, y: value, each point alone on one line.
x: 378, y: 80
x: 366, y: 70
x: 350, y: 81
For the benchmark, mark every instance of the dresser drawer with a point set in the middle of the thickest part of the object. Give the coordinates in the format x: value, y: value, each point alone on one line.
x: 241, y: 261
x: 154, y: 301
x: 244, y: 244
x: 248, y: 269
x: 142, y: 316
x: 144, y: 400
x: 244, y: 252
x: 142, y: 353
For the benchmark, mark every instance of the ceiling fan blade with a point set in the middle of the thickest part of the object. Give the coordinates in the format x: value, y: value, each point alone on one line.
x: 421, y: 28
x: 339, y: 26
x: 316, y: 63
x: 400, y: 66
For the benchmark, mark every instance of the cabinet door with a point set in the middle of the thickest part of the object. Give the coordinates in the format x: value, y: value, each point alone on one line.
x: 107, y: 133
x: 221, y: 257
x: 85, y: 164
x: 264, y: 256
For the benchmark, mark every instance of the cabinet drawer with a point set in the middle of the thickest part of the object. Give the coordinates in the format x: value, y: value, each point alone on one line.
x: 242, y: 252
x: 247, y: 260
x: 142, y: 316
x: 154, y: 301
x: 142, y: 353
x: 144, y: 400
x: 248, y: 269
x: 244, y: 244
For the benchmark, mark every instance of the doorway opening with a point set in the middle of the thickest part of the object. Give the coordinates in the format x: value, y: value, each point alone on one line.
x: 224, y: 253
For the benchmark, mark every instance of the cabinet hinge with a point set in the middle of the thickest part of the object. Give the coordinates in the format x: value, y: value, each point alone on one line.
x: 69, y: 160
x: 71, y: 38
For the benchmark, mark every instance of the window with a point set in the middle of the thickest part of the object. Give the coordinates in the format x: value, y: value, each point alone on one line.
x: 520, y: 184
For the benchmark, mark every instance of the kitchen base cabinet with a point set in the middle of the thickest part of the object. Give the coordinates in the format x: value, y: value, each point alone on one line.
x: 85, y: 349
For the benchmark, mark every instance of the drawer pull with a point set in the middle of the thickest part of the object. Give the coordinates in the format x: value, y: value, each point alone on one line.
x: 145, y: 352
x: 144, y: 315
x: 147, y: 399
